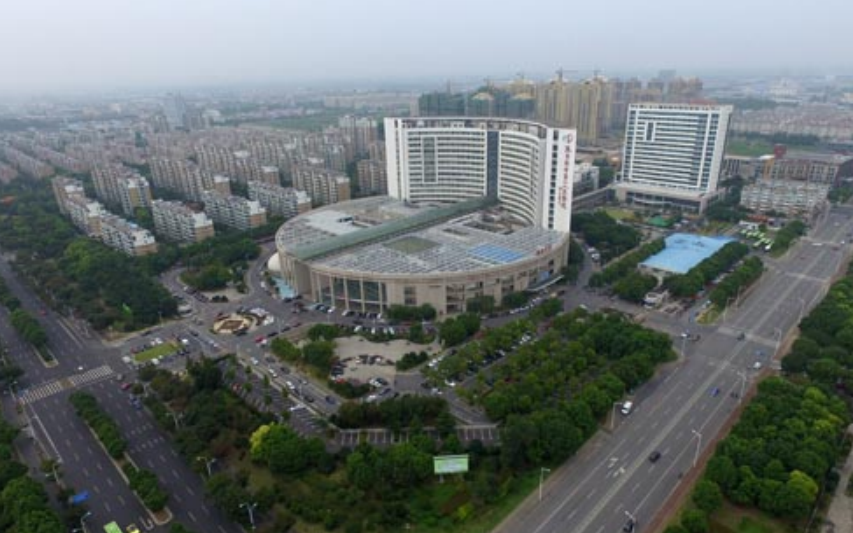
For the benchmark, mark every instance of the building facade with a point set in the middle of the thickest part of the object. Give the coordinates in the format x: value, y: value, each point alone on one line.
x: 126, y: 236
x: 234, y: 211
x: 178, y: 223
x: 529, y: 167
x: 673, y: 155
x: 324, y: 186
x: 278, y: 200
x: 793, y: 198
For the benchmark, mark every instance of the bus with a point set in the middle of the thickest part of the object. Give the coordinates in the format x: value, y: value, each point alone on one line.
x: 112, y: 527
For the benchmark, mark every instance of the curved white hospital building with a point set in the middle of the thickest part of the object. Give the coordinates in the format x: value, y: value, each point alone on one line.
x: 475, y: 207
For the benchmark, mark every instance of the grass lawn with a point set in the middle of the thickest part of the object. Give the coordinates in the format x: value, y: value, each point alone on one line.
x: 709, y: 316
x: 748, y: 148
x: 166, y: 348
x: 620, y: 214
x: 732, y: 519
x: 486, y: 520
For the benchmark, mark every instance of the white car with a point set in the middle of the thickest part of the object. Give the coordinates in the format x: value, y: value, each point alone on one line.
x: 627, y: 407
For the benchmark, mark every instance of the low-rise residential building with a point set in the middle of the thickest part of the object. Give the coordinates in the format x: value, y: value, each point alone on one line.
x: 178, y: 223
x: 813, y: 167
x: 234, y: 211
x: 278, y: 200
x: 793, y: 198
x: 323, y: 185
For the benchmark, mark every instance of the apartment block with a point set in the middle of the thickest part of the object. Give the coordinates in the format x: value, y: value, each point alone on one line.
x: 278, y: 200
x: 118, y: 185
x: 63, y: 189
x: 126, y: 236
x: 323, y: 185
x: 371, y: 177
x: 813, y: 167
x: 234, y: 211
x: 182, y: 177
x: 85, y: 213
x: 176, y: 222
x: 793, y: 198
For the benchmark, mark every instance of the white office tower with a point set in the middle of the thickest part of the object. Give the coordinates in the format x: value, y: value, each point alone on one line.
x: 527, y: 166
x: 673, y: 155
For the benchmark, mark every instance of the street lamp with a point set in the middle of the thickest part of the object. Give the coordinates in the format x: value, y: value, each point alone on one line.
x: 177, y: 418
x: 82, y: 522
x: 631, y: 518
x: 250, y: 507
x: 726, y: 310
x: 613, y: 415
x: 778, y: 340
x: 698, y: 445
x: 542, y: 472
x: 207, y: 463
x: 742, y: 377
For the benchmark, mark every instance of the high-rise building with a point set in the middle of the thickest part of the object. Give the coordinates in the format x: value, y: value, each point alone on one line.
x: 178, y: 223
x: 360, y: 131
x: 278, y: 200
x: 673, y: 155
x: 175, y: 109
x: 234, y: 211
x: 323, y: 185
x: 529, y: 167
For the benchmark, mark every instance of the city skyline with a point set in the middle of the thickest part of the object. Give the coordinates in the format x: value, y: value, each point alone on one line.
x: 50, y: 46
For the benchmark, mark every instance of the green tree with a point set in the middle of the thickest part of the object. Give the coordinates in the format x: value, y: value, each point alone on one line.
x: 707, y: 495
x: 695, y: 521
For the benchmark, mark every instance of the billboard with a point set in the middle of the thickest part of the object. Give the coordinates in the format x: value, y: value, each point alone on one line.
x: 450, y: 464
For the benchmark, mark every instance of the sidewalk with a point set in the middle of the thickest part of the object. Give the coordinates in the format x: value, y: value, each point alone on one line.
x: 839, y: 517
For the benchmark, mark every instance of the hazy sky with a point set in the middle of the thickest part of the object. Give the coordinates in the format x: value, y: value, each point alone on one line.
x: 49, y: 45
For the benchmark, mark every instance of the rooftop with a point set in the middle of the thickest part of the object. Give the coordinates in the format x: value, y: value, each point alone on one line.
x: 384, y: 235
x: 684, y: 251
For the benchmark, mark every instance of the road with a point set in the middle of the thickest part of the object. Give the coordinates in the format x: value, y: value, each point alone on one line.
x: 85, y: 363
x: 678, y: 414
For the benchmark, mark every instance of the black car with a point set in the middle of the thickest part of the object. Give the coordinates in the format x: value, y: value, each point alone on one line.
x: 654, y: 456
x: 629, y: 526
x: 309, y: 399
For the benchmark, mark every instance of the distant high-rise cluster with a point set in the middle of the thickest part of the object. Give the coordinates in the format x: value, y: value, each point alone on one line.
x: 595, y: 107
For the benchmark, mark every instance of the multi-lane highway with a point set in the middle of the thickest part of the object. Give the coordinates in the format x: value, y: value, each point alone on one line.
x: 85, y: 363
x: 684, y: 409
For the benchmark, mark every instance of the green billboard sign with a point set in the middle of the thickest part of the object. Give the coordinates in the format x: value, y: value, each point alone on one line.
x: 450, y: 464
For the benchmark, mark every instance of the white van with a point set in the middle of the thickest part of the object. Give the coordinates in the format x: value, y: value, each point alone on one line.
x: 627, y: 407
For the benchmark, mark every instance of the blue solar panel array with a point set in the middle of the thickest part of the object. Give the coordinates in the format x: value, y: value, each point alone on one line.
x: 496, y: 254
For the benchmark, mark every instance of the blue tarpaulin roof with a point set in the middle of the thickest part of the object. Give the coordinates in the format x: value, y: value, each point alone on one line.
x: 684, y: 251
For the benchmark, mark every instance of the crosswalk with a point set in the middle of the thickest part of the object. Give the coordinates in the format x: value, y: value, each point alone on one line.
x: 49, y: 388
x: 91, y: 376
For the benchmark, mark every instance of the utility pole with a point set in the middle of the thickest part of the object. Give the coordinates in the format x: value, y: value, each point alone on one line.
x: 542, y: 472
